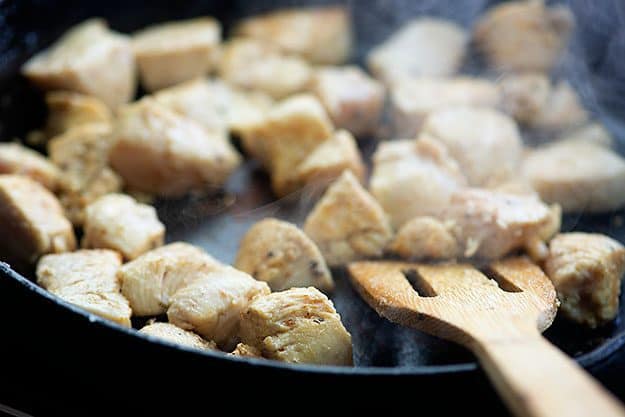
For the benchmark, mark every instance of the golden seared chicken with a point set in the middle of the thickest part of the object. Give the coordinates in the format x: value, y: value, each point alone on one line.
x: 212, y: 306
x: 246, y: 350
x: 412, y: 99
x: 578, y: 175
x: 172, y: 52
x: 353, y: 100
x: 150, y: 281
x: 299, y: 325
x: 19, y: 160
x: 67, y: 109
x: 86, y: 278
x: 31, y: 221
x: 175, y: 334
x: 82, y: 60
x: 158, y: 151
x: 347, y: 223
x: 280, y: 254
x: 256, y: 65
x: 586, y: 270
x: 413, y: 178
x: 322, y: 35
x: 423, y: 47
x: 524, y: 35
x: 118, y: 222
x: 425, y: 238
x: 486, y: 143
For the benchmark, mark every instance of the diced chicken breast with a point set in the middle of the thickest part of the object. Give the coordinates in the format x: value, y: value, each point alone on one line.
x: 353, y: 100
x: 347, y: 223
x: 586, y: 270
x: 299, y: 325
x: 175, y: 334
x: 118, y: 222
x: 280, y: 254
x: 486, y: 143
x: 150, y: 281
x: 246, y: 350
x: 322, y: 35
x: 33, y: 218
x: 412, y: 99
x: 425, y: 238
x: 19, y: 160
x: 158, y: 151
x: 172, y: 52
x: 413, y: 178
x: 87, y: 278
x: 81, y: 61
x: 257, y: 65
x: 578, y: 175
x: 524, y: 35
x: 212, y: 306
x: 563, y: 110
x: 593, y: 133
x: 423, y: 47
x: 67, y: 109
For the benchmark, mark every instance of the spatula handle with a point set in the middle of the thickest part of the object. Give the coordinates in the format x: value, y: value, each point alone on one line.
x: 536, y: 379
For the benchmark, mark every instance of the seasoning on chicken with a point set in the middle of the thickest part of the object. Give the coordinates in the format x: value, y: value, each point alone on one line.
x: 299, y: 325
x: 259, y: 66
x: 425, y: 238
x: 86, y: 278
x: 81, y: 61
x: 67, y: 109
x: 33, y: 218
x: 172, y: 52
x: 412, y: 99
x: 486, y: 143
x: 578, y: 175
x: 150, y: 281
x: 246, y: 350
x: 321, y: 35
x: 353, y: 100
x: 413, y: 178
x: 19, y: 160
x: 423, y: 47
x: 281, y: 255
x: 158, y: 151
x: 175, y: 334
x: 212, y: 306
x: 586, y: 270
x: 347, y: 224
x: 524, y: 35
x: 118, y: 222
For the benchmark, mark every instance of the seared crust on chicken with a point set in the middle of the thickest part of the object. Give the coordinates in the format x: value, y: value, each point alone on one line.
x: 19, y: 160
x: 425, y: 238
x: 177, y: 335
x: 67, y: 109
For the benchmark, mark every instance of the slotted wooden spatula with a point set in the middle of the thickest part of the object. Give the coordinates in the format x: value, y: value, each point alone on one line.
x: 499, y: 319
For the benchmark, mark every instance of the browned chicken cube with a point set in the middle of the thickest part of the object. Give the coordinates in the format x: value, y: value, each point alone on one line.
x: 586, y: 270
x: 67, y: 109
x: 19, y: 160
x: 175, y: 334
x: 425, y: 238
x: 246, y: 351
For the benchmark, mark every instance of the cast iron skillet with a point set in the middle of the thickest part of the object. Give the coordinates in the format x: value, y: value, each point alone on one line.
x: 57, y: 358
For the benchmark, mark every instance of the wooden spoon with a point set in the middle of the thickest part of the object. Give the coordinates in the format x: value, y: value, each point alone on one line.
x: 499, y: 319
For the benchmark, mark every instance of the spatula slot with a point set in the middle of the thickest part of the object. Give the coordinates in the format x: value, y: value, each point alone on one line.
x: 505, y: 284
x: 419, y: 284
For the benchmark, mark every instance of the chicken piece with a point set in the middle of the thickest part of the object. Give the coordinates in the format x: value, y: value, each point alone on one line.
x: 425, y: 238
x: 81, y: 61
x: 525, y: 95
x: 423, y: 47
x: 563, y: 110
x: 580, y: 176
x: 86, y: 278
x: 586, y: 270
x: 593, y: 133
x: 175, y: 334
x: 158, y: 151
x: 412, y: 99
x: 413, y: 178
x: 150, y: 281
x: 353, y: 100
x: 67, y: 109
x: 172, y: 52
x: 322, y: 35
x: 347, y: 224
x: 118, y: 222
x: 19, y: 160
x: 524, y: 35
x: 256, y: 65
x: 246, y: 350
x: 281, y: 255
x: 486, y: 143
x: 33, y: 218
x: 299, y: 325
x: 212, y: 306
